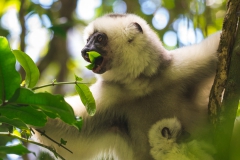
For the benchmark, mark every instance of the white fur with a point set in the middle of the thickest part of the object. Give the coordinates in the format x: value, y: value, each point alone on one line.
x: 167, y: 148
x: 190, y: 58
x: 143, y: 83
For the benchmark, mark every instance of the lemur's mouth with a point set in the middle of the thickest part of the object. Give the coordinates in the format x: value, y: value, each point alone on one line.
x: 97, y: 63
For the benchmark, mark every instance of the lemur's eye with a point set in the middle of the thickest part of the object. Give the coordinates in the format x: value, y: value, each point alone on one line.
x: 99, y: 38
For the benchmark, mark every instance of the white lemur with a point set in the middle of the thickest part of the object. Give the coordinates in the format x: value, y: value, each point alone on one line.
x: 138, y: 83
x: 166, y: 137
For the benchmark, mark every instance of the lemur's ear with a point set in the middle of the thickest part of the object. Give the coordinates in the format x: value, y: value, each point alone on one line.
x: 138, y: 27
x: 134, y: 28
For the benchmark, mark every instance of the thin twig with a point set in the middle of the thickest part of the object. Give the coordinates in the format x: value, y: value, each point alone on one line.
x: 59, y: 144
x: 57, y: 83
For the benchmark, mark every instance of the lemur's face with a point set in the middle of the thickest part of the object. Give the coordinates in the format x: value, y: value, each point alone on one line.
x: 116, y: 38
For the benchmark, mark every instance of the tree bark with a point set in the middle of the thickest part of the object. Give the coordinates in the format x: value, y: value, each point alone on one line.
x: 22, y: 13
x: 222, y: 112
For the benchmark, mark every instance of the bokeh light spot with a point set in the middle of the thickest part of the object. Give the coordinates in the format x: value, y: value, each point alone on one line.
x: 86, y: 8
x: 119, y: 6
x: 170, y: 38
x: 160, y: 19
x: 148, y: 7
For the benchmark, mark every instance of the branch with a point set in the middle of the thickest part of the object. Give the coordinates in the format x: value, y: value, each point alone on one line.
x: 57, y: 83
x: 59, y: 144
x: 7, y: 134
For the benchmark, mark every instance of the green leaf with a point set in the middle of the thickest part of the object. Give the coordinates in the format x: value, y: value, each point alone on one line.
x: 78, y: 78
x: 16, y: 132
x: 63, y: 142
x: 18, y: 149
x: 92, y: 56
x: 51, y: 105
x: 78, y: 123
x: 32, y: 72
x: 14, y: 122
x: 27, y: 114
x: 90, y: 66
x: 86, y: 98
x: 10, y: 79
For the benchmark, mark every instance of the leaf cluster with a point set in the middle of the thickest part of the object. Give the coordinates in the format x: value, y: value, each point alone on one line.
x: 21, y: 106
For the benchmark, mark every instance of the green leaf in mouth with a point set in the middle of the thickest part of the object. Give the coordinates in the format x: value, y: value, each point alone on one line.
x: 93, y: 55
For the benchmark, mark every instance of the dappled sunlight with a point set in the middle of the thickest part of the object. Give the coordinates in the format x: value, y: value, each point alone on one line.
x: 86, y: 8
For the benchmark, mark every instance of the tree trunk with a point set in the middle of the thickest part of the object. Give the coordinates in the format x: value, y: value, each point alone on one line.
x: 222, y: 112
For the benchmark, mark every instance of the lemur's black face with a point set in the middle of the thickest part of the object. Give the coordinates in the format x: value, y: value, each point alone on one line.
x: 97, y: 42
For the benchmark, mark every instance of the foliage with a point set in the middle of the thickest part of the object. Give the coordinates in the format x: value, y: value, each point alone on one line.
x: 21, y: 106
x: 16, y: 149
